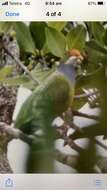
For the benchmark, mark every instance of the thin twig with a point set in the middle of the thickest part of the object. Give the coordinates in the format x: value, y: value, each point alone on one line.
x: 74, y: 146
x: 100, y: 144
x: 66, y: 159
x: 81, y: 131
x: 68, y: 141
x: 14, y: 133
x: 71, y: 160
x: 84, y: 95
x: 18, y: 62
x: 80, y: 114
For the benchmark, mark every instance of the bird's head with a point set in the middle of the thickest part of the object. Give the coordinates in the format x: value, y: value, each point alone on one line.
x: 69, y: 68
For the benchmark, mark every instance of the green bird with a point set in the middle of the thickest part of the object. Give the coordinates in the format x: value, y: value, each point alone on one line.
x: 50, y: 99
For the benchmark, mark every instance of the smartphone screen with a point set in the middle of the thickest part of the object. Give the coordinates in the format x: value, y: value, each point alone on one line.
x: 53, y: 94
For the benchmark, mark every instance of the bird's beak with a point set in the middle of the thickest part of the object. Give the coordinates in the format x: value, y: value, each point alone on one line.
x: 81, y: 58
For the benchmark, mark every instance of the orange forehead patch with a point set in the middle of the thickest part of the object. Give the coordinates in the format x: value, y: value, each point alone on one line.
x: 75, y: 52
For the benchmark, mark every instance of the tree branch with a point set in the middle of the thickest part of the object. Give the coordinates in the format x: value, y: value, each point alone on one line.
x: 80, y: 114
x: 72, y: 144
x: 18, y: 62
x: 66, y: 159
x: 71, y: 160
x: 100, y: 144
x: 14, y: 133
x: 84, y: 95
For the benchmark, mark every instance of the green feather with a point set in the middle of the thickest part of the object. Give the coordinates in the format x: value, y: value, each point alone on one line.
x: 48, y: 101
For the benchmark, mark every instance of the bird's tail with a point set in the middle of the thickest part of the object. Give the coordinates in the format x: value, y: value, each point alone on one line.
x: 41, y: 154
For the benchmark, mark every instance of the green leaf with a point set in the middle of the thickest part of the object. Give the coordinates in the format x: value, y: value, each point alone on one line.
x: 5, y: 72
x: 45, y: 49
x: 5, y: 26
x: 79, y: 103
x: 97, y: 31
x: 76, y: 38
x: 96, y: 57
x: 57, y: 25
x: 41, y: 74
x: 96, y: 52
x: 17, y: 80
x: 38, y: 33
x: 91, y: 80
x: 24, y: 37
x: 97, y: 46
x: 55, y: 42
x: 105, y: 37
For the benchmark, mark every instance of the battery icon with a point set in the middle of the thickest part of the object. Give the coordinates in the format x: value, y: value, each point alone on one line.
x: 100, y: 3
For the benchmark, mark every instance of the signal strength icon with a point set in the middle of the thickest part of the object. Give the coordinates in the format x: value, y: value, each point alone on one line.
x: 5, y: 3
